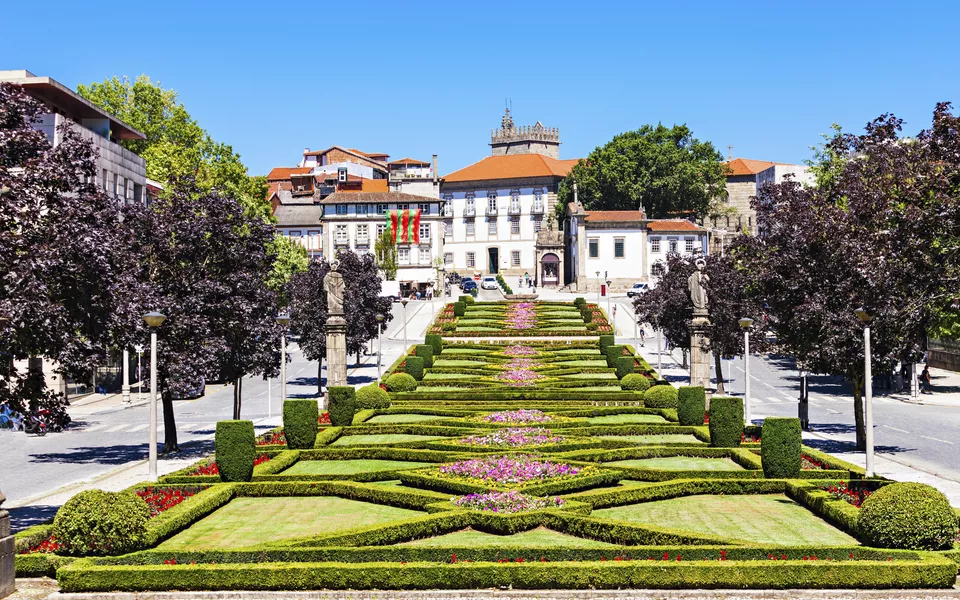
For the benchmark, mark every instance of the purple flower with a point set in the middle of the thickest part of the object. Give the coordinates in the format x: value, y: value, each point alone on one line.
x: 507, y: 469
x: 514, y: 437
x: 505, y: 502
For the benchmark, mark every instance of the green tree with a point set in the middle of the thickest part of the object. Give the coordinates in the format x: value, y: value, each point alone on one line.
x: 176, y: 146
x: 663, y: 169
x: 385, y: 251
x: 288, y: 259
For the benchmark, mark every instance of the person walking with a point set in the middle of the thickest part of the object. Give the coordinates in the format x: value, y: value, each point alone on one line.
x: 926, y: 386
x: 643, y: 336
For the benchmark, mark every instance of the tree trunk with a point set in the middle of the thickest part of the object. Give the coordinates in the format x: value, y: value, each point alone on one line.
x: 169, y: 425
x: 319, y: 377
x: 237, y: 391
x: 719, y: 366
x: 683, y: 352
x: 858, y: 413
x: 359, y: 359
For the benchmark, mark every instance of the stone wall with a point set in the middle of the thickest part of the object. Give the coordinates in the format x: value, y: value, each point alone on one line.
x: 6, y: 553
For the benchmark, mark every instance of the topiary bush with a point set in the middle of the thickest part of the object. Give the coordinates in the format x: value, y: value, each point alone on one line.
x: 435, y: 341
x: 448, y: 327
x: 414, y: 367
x: 910, y: 516
x: 98, y: 523
x: 459, y: 308
x: 780, y: 450
x: 300, y: 423
x: 341, y: 405
x: 624, y: 366
x: 235, y: 450
x: 586, y: 314
x: 660, y: 396
x: 605, y: 342
x: 400, y: 382
x: 425, y: 351
x: 579, y: 302
x: 726, y: 421
x: 614, y: 352
x: 691, y: 405
x: 635, y: 382
x: 468, y: 299
x: 372, y: 396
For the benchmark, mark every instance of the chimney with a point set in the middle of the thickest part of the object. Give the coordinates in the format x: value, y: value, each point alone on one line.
x: 435, y: 174
x: 306, y: 150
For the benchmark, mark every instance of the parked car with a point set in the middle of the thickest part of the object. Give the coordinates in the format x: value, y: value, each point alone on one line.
x: 638, y: 289
x: 468, y: 284
x: 489, y: 283
x: 196, y: 390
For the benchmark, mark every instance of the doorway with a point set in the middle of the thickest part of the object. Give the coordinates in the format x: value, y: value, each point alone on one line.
x: 493, y: 260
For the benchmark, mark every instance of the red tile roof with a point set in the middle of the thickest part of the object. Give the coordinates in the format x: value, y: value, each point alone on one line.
x: 373, y: 155
x: 410, y: 162
x: 281, y: 173
x: 672, y: 225
x: 609, y: 216
x: 748, y: 166
x: 513, y: 166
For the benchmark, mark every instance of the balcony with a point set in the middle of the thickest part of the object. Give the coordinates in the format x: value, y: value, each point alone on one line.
x: 491, y: 211
x: 514, y: 209
x: 537, y: 209
x: 363, y: 240
x: 470, y: 211
x: 448, y: 211
x: 341, y: 241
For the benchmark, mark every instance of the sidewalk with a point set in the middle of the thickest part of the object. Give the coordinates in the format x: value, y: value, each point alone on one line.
x: 946, y: 389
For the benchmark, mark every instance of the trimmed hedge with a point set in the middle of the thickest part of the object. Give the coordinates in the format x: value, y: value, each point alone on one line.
x: 613, y: 353
x: 234, y: 450
x: 401, y: 382
x: 341, y: 405
x: 912, y: 516
x: 780, y: 447
x: 586, y: 314
x: 726, y: 421
x: 436, y: 341
x: 660, y: 396
x: 300, y: 423
x: 372, y: 396
x: 691, y: 405
x: 624, y: 366
x: 605, y: 342
x: 414, y: 367
x: 425, y: 351
x: 459, y: 308
x: 635, y: 382
x: 95, y: 522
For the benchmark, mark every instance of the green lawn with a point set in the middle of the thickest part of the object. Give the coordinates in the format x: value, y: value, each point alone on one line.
x: 349, y: 466
x: 764, y: 519
x: 383, y: 438
x: 441, y: 376
x: 577, y: 351
x: 250, y: 521
x: 534, y: 538
x: 657, y: 438
x: 580, y: 363
x: 625, y: 419
x: 406, y: 418
x: 464, y: 351
x: 589, y: 376
x: 453, y: 362
x: 680, y: 463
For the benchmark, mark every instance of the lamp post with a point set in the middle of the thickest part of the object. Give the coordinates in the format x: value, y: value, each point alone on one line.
x: 379, y: 346
x: 139, y: 350
x: 865, y: 318
x: 125, y: 388
x: 745, y: 323
x: 598, y: 289
x: 154, y: 320
x: 610, y: 314
x: 284, y: 320
x: 404, y: 303
x: 656, y: 329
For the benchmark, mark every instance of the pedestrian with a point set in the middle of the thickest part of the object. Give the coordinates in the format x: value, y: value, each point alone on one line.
x: 429, y: 292
x: 643, y: 336
x: 925, y: 383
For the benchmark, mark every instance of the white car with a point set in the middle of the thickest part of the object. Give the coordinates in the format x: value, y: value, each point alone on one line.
x: 489, y: 283
x: 638, y: 289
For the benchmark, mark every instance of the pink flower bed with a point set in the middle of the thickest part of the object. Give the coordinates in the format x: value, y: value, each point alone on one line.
x: 521, y: 315
x: 514, y: 437
x: 519, y: 377
x: 508, y: 469
x: 505, y: 502
x: 519, y: 350
x: 517, y: 416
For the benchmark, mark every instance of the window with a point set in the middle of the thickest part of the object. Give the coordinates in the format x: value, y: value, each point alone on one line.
x: 313, y: 240
x: 492, y: 202
x: 618, y: 247
x: 471, y: 205
x: 380, y: 229
x: 515, y: 258
x: 403, y: 256
x: 363, y: 234
x: 537, y: 223
x: 673, y: 245
x: 515, y: 201
x: 363, y: 209
x: 594, y: 247
x: 424, y: 208
x: 688, y: 245
x: 492, y: 226
x: 382, y: 208
x: 340, y: 209
x: 515, y: 225
x: 658, y: 270
x: 448, y: 231
x: 425, y: 232
x: 296, y: 237
x: 424, y: 256
x: 340, y: 234
x: 471, y: 259
x: 403, y: 207
x: 471, y: 227
x: 538, y: 200
x: 448, y: 258
x: 655, y: 245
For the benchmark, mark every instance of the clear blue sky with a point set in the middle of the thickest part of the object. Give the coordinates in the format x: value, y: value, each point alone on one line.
x: 417, y: 78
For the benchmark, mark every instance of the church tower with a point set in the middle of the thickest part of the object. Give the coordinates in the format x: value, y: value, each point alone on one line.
x: 526, y: 139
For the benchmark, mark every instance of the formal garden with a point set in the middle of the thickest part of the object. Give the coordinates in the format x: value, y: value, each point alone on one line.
x: 492, y: 459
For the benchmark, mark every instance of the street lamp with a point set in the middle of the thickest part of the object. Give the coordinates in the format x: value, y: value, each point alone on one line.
x: 598, y: 289
x: 865, y: 318
x: 656, y: 329
x: 404, y: 303
x: 609, y: 314
x: 283, y: 320
x: 125, y: 387
x: 139, y: 350
x: 380, y: 319
x: 745, y: 323
x: 153, y: 319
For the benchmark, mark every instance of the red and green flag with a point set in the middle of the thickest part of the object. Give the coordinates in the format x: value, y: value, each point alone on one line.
x: 404, y: 225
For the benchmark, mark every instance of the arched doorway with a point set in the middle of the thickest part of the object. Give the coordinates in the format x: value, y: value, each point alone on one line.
x: 550, y: 269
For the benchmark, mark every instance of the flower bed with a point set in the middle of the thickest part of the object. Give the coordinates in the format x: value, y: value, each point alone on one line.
x: 47, y: 546
x: 160, y: 499
x: 212, y: 469
x: 514, y: 437
x: 518, y: 377
x: 506, y: 502
x: 842, y: 492
x: 808, y: 463
x: 517, y: 417
x: 521, y: 315
x: 508, y: 470
x: 520, y: 350
x: 277, y: 438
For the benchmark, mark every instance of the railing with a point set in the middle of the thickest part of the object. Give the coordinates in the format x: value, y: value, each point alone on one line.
x: 363, y: 241
x: 448, y: 211
x: 491, y: 211
x: 514, y: 209
x: 469, y: 211
x: 341, y: 242
x: 536, y: 210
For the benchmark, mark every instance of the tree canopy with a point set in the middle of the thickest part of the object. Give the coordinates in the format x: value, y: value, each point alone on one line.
x: 664, y: 170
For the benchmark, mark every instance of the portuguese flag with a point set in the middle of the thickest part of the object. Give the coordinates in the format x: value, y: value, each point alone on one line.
x: 404, y: 226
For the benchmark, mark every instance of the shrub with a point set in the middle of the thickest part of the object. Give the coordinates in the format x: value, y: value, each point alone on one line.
x: 235, y: 450
x: 605, y: 342
x: 660, y: 396
x: 586, y: 314
x: 414, y: 367
x: 591, y: 326
x: 341, y: 405
x: 448, y: 327
x: 691, y: 405
x: 780, y: 447
x: 614, y: 352
x: 436, y: 341
x: 635, y: 382
x: 579, y: 302
x: 300, y: 423
x: 425, y: 351
x: 459, y: 308
x: 95, y: 522
x: 912, y: 516
x: 726, y: 421
x: 372, y: 396
x: 624, y: 366
x: 467, y: 299
x: 401, y: 382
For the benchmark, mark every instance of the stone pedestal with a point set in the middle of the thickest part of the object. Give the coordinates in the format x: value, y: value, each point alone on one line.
x: 700, y: 328
x: 6, y: 553
x: 336, y: 351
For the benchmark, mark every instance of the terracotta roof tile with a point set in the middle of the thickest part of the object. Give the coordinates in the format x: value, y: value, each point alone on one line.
x: 280, y: 173
x: 514, y: 166
x: 748, y: 166
x: 609, y: 216
x: 366, y: 197
x: 409, y: 162
x: 672, y: 225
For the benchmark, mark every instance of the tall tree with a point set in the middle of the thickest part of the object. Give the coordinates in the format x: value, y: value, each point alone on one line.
x: 385, y: 250
x: 288, y: 258
x: 67, y: 268
x: 362, y: 294
x: 664, y: 170
x: 308, y: 312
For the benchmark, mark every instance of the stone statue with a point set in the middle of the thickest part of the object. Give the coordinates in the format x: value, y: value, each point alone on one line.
x: 696, y: 282
x: 333, y: 287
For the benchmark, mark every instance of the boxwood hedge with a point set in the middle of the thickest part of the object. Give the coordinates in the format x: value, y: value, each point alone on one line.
x: 780, y: 445
x: 691, y: 405
x: 726, y: 421
x: 300, y: 423
x: 342, y: 405
x: 660, y: 396
x: 235, y: 451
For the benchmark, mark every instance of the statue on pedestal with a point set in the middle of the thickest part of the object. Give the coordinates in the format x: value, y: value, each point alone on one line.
x: 336, y: 327
x: 698, y: 292
x: 699, y: 328
x: 333, y: 287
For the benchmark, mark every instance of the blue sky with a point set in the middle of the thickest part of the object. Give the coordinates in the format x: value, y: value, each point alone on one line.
x: 418, y: 78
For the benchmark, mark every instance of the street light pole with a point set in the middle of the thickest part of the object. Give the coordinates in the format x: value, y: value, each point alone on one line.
x: 745, y: 323
x: 656, y: 329
x: 153, y: 320
x: 379, y: 347
x: 283, y: 320
x: 867, y: 388
x: 610, y: 314
x: 404, y: 303
x: 598, y: 288
x: 125, y: 389
x: 139, y: 350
